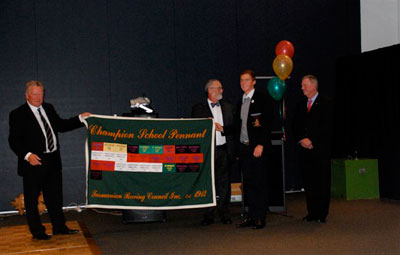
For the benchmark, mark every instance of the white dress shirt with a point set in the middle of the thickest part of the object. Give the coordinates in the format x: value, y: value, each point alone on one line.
x: 249, y: 95
x: 217, y: 115
x: 37, y: 116
x: 313, y: 99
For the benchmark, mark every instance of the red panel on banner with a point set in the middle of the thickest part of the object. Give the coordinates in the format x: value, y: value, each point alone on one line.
x: 162, y: 158
x: 189, y: 158
x: 133, y: 157
x: 169, y: 149
x: 97, y: 146
x: 102, y: 165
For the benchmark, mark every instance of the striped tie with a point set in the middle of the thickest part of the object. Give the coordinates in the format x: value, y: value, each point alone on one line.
x: 49, y: 135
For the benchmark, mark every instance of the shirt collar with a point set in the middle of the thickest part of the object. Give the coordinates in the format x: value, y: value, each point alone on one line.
x: 209, y: 102
x: 34, y: 108
x: 249, y: 95
x: 314, y: 97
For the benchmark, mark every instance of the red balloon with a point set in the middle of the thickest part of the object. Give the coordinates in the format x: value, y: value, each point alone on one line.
x: 284, y: 48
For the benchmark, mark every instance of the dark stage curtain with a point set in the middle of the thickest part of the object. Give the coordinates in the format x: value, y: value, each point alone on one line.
x: 95, y: 55
x: 367, y: 112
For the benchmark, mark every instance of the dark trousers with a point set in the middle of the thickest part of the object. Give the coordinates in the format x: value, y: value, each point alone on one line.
x: 48, y: 180
x: 316, y: 172
x: 254, y: 182
x: 222, y: 184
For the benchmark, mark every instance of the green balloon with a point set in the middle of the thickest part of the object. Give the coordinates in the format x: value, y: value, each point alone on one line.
x: 276, y: 88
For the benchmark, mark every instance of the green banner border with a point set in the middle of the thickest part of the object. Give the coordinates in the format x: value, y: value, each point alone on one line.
x: 213, y: 203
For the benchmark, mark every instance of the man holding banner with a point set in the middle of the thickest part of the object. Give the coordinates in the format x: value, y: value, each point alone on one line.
x: 33, y: 137
x: 222, y: 113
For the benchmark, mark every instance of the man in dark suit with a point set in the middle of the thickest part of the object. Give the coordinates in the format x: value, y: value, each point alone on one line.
x: 253, y: 136
x: 313, y: 131
x: 222, y: 112
x: 33, y: 137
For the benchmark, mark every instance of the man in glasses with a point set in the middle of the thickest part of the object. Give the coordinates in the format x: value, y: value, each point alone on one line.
x: 223, y: 113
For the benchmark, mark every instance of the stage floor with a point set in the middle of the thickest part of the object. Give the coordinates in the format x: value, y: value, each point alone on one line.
x: 367, y: 226
x: 18, y: 240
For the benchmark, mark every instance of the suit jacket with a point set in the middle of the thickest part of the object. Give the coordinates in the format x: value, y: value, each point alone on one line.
x: 315, y: 124
x: 259, y: 121
x: 202, y: 110
x: 27, y: 136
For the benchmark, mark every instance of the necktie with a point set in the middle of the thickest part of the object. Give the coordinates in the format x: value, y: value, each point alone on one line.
x: 309, y: 105
x: 244, y: 111
x: 214, y: 104
x: 49, y: 135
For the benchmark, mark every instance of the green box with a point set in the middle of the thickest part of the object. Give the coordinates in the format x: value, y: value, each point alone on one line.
x: 355, y: 179
x: 169, y: 168
x: 150, y: 149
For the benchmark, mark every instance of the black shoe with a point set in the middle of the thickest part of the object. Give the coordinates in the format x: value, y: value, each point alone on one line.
x: 246, y: 223
x: 259, y: 224
x: 206, y: 222
x: 41, y: 236
x: 226, y: 220
x: 321, y: 220
x: 309, y: 218
x: 65, y: 231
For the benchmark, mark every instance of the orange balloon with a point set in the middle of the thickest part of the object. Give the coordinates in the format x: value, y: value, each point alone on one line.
x: 284, y: 48
x: 283, y: 66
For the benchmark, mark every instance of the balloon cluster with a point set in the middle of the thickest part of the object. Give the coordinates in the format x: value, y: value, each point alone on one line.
x: 283, y: 66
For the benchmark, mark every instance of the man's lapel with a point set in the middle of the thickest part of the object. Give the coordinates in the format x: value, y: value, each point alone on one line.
x: 208, y: 110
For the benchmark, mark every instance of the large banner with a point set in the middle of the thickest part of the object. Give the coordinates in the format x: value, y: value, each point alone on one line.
x: 140, y: 163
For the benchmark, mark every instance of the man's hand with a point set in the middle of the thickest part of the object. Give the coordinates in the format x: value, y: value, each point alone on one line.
x: 306, y: 143
x: 34, y: 160
x: 258, y: 151
x: 219, y: 127
x: 85, y: 114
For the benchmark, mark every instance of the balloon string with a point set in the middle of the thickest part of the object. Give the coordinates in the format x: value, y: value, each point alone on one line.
x: 281, y: 114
